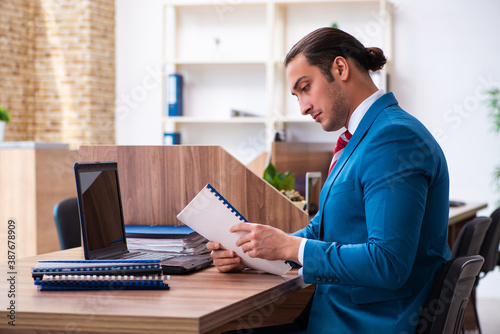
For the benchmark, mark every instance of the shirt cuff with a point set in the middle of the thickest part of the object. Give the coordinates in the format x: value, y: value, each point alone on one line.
x: 301, y: 253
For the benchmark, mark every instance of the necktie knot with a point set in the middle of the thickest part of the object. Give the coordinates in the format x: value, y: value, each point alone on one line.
x: 339, y: 147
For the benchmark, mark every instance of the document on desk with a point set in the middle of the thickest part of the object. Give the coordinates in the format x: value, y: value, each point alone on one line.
x: 211, y: 215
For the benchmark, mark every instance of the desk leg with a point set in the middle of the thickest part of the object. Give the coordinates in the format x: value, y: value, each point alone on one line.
x: 282, y: 311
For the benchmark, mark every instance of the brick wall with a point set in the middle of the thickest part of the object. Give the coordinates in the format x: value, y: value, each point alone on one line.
x: 17, y: 65
x: 58, y: 75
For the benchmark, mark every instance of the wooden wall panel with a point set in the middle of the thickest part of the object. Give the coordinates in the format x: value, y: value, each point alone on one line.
x: 157, y: 182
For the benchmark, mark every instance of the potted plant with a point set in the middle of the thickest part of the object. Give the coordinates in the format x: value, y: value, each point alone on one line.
x: 4, y: 118
x: 494, y: 106
x: 285, y: 183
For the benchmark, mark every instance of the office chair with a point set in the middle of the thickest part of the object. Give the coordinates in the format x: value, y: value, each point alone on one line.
x: 67, y: 222
x: 444, y: 309
x: 489, y: 251
x: 470, y: 238
x: 469, y: 242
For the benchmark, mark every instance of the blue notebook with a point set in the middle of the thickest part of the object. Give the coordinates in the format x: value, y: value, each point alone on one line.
x: 99, y: 275
x: 108, y: 282
x: 97, y: 267
x: 158, y: 231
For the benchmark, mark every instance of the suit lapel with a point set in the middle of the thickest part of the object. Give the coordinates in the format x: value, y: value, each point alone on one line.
x: 383, y: 102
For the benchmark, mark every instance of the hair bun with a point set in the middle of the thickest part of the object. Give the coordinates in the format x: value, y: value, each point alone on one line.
x: 375, y: 58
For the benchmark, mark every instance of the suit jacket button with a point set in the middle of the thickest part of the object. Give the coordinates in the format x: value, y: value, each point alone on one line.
x: 335, y: 279
x: 317, y: 278
x: 323, y: 279
x: 329, y: 278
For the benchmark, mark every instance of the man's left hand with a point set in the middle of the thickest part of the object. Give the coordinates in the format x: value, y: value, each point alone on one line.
x: 267, y: 242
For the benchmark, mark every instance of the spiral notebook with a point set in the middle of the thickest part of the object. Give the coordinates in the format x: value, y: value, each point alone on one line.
x: 107, y: 282
x: 211, y: 215
x: 97, y: 267
x: 99, y: 275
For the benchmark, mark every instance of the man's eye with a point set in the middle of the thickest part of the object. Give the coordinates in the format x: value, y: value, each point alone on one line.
x: 305, y: 88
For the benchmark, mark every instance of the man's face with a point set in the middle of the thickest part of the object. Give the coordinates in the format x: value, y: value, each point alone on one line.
x: 326, y: 102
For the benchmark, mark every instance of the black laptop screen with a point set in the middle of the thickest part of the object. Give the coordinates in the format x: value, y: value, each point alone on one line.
x: 101, y: 217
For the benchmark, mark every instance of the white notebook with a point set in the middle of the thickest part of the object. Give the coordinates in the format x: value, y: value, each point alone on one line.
x: 211, y: 215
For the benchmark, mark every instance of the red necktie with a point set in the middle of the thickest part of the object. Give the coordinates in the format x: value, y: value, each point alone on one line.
x: 341, y: 143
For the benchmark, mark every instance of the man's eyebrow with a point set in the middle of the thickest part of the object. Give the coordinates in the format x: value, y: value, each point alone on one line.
x: 297, y: 82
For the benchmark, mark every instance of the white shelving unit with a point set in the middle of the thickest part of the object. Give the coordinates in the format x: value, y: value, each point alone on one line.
x: 231, y: 53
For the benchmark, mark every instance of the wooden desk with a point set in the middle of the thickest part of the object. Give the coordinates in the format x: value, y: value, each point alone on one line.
x: 204, y: 302
x: 459, y: 216
x: 196, y: 303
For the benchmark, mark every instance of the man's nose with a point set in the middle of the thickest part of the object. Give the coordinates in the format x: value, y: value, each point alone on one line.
x: 305, y: 108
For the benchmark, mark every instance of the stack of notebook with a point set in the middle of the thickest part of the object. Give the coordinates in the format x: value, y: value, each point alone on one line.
x: 166, y: 238
x: 99, y: 275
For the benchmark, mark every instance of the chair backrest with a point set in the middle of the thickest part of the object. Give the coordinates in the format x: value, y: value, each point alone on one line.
x: 470, y: 238
x: 67, y: 222
x: 489, y: 249
x: 444, y: 309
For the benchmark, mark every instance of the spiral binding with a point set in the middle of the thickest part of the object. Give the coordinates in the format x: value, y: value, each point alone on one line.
x: 107, y: 282
x: 226, y: 203
x: 96, y: 268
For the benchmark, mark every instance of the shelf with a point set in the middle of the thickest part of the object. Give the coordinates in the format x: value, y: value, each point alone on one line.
x: 233, y: 120
x: 193, y: 62
x: 231, y: 53
x: 294, y: 119
x: 224, y: 4
x: 316, y: 2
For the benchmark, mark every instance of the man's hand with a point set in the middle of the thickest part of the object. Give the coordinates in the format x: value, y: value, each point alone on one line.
x: 225, y: 260
x: 267, y: 242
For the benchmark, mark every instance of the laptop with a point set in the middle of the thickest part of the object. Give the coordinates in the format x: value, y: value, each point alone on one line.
x: 102, y: 223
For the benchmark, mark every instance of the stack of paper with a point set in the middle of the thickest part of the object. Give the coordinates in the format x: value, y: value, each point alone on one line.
x: 165, y: 238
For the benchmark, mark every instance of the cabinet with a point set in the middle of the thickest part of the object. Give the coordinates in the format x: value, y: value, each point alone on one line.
x: 34, y: 178
x: 230, y: 54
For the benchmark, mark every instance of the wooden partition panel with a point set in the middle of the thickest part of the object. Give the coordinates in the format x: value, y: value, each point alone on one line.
x: 157, y: 182
x: 300, y: 158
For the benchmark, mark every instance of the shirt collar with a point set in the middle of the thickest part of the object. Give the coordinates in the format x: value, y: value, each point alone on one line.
x: 361, y: 110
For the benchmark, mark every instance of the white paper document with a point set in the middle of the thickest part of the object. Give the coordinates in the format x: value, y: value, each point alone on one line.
x: 212, y: 216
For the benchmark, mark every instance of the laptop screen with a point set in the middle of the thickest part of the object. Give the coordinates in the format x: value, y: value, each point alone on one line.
x: 100, y: 209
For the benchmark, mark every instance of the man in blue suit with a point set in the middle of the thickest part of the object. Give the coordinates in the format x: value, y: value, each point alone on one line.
x: 380, y: 234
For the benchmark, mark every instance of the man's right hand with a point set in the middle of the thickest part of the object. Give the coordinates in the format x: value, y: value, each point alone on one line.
x: 225, y: 260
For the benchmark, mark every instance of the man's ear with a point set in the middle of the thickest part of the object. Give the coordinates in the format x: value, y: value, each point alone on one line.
x: 340, y: 68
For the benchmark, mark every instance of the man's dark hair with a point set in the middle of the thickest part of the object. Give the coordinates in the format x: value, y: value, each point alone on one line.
x: 323, y: 45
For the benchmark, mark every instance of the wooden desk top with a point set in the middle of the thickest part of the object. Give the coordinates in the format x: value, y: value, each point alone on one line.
x: 467, y: 211
x: 195, y: 303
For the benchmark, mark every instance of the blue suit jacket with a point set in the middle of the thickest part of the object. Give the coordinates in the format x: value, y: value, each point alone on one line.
x: 381, y: 231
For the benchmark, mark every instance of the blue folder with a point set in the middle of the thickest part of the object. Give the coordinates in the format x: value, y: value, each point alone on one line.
x: 158, y: 231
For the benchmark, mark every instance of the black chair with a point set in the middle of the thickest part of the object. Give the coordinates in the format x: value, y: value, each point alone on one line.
x: 67, y: 222
x: 491, y: 242
x: 444, y: 309
x: 489, y: 251
x: 470, y: 238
